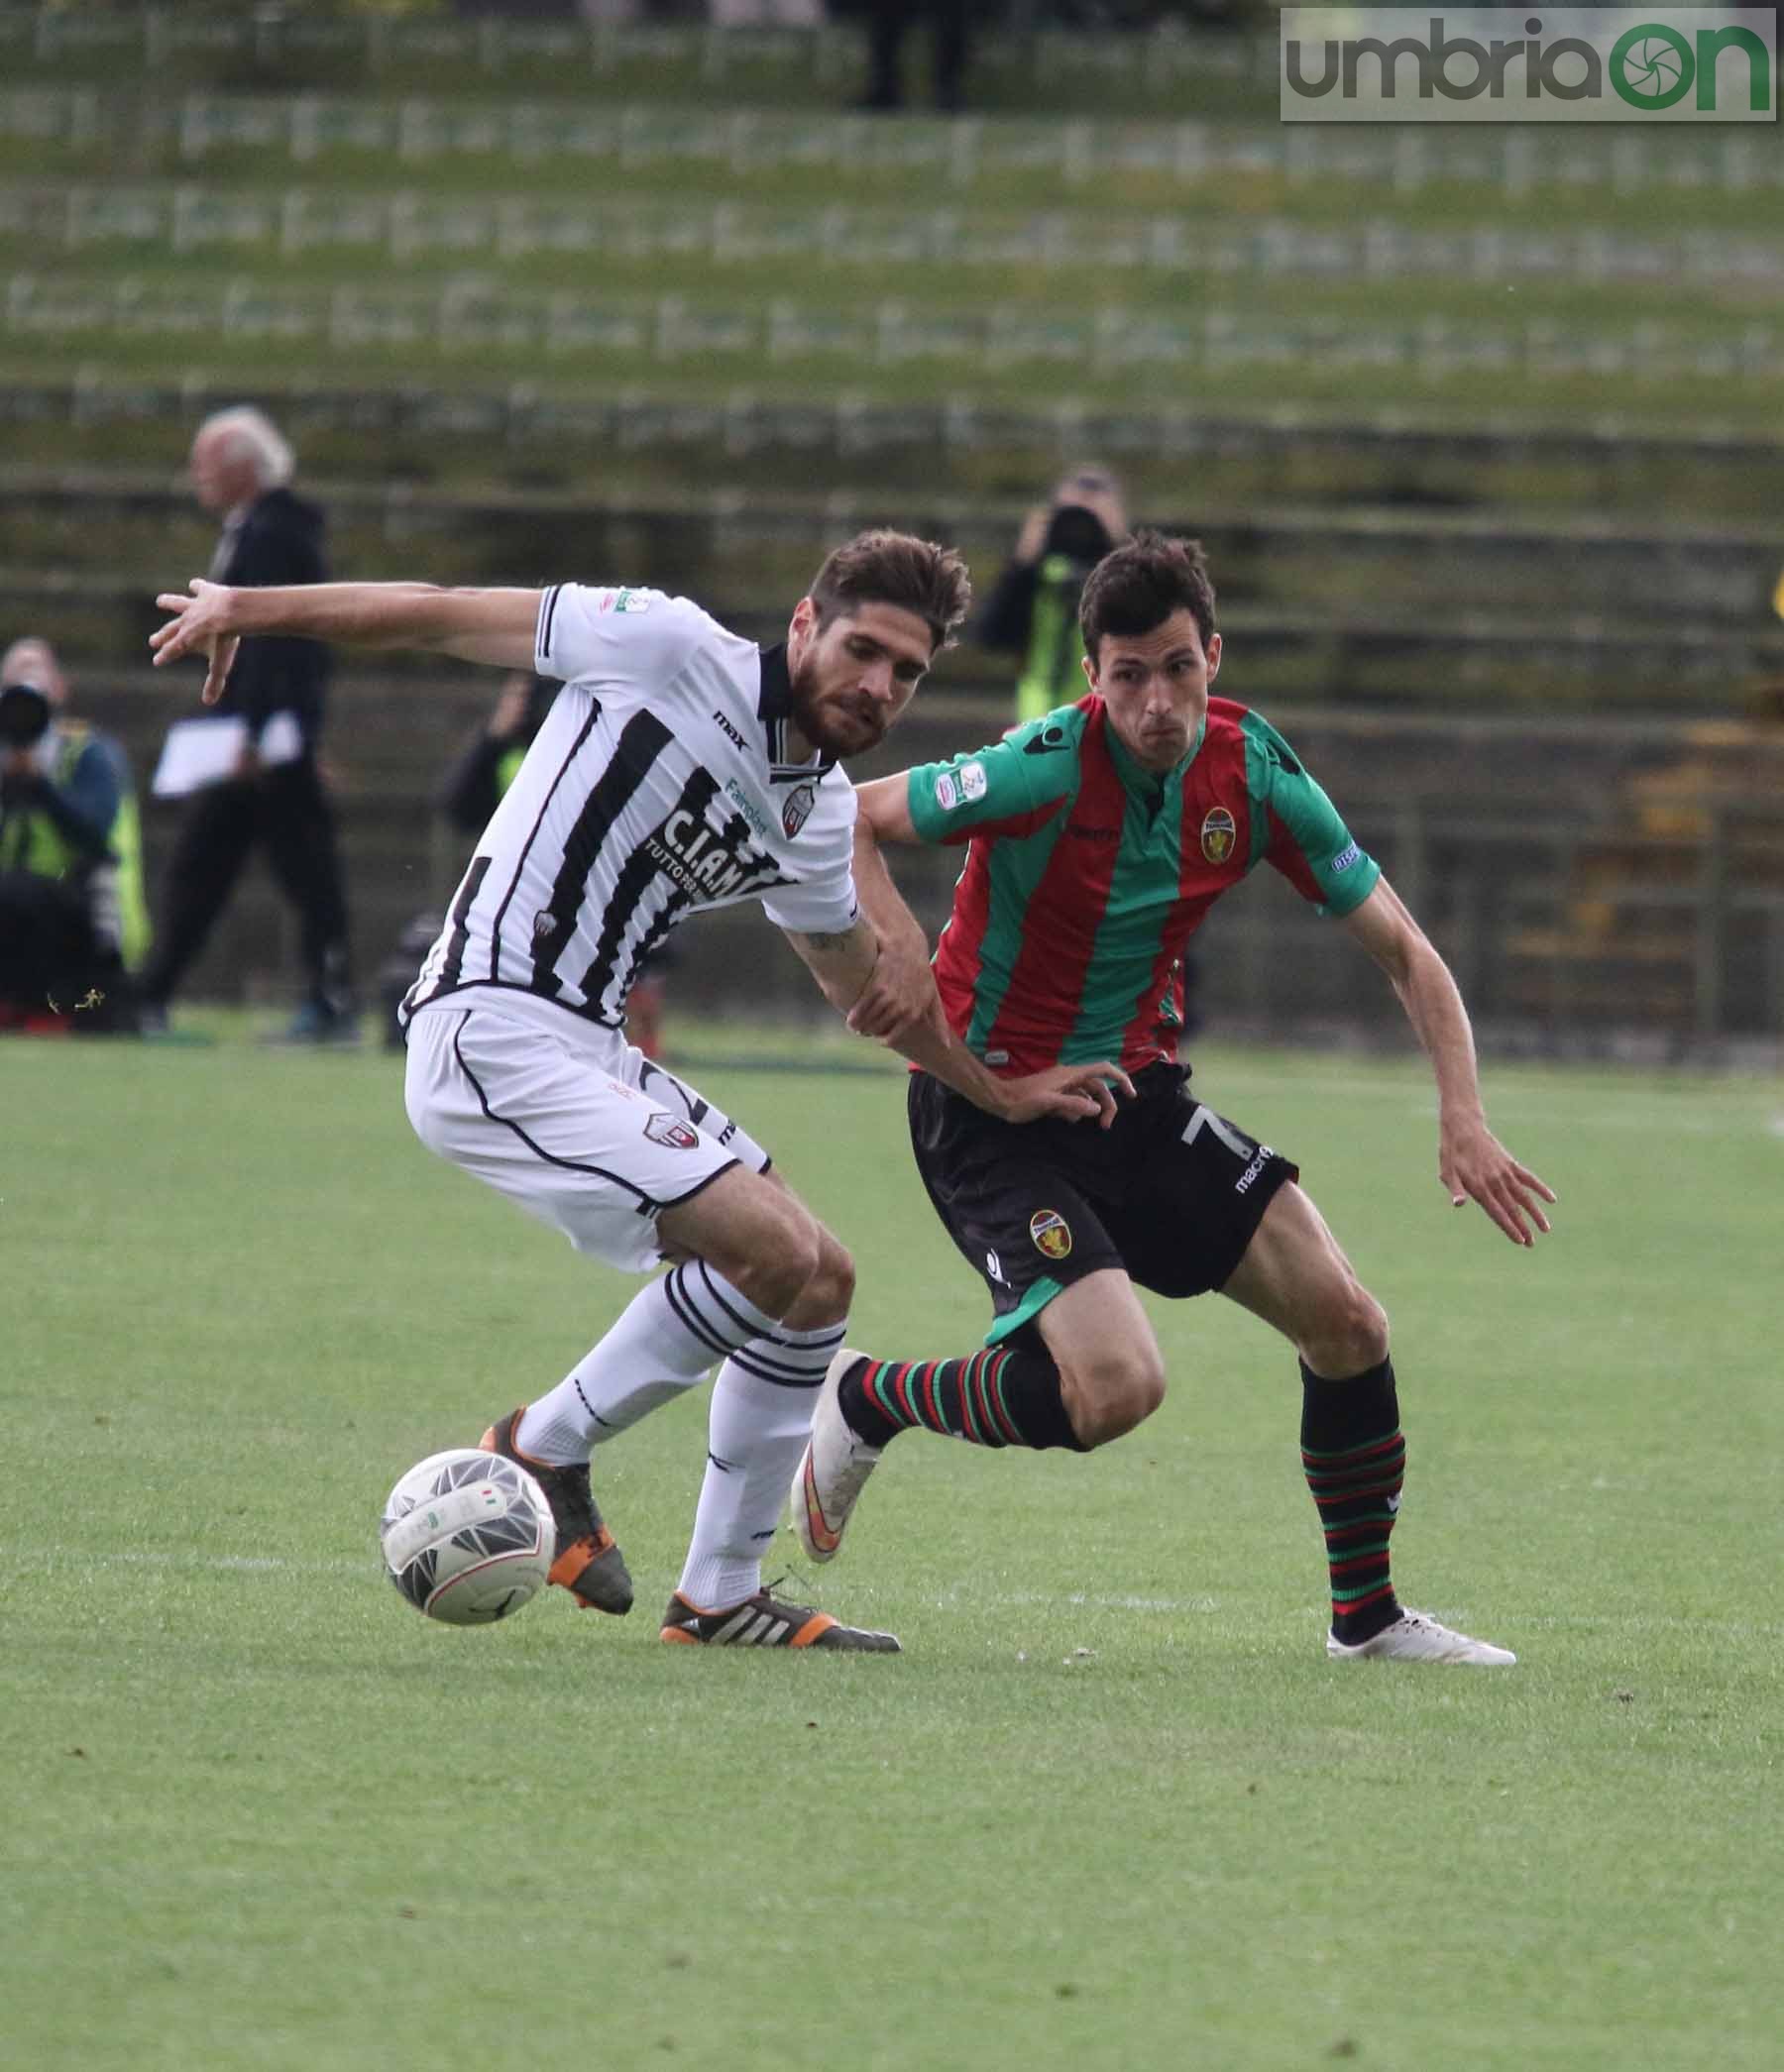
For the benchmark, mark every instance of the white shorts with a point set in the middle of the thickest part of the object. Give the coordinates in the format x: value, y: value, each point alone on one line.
x: 566, y: 1118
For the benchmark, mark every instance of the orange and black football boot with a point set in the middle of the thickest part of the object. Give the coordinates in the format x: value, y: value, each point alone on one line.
x: 769, y: 1621
x: 589, y: 1563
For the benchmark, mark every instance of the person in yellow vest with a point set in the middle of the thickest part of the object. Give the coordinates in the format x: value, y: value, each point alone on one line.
x: 1033, y: 610
x: 73, y: 918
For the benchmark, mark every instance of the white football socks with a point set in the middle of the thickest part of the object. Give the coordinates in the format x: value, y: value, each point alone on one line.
x: 663, y: 1343
x: 757, y: 1428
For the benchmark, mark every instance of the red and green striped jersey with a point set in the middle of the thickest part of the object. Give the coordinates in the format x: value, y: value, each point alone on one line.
x: 1086, y: 875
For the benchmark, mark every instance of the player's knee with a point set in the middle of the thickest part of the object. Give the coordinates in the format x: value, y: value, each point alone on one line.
x: 776, y: 1260
x: 1352, y: 1334
x: 828, y: 1295
x: 1109, y: 1396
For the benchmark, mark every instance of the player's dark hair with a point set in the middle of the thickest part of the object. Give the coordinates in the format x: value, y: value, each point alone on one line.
x: 1140, y: 583
x: 893, y: 568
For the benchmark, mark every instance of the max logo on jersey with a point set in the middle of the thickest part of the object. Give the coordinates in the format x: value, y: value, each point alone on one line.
x: 1051, y: 740
x: 667, y: 1129
x: 1052, y: 1234
x: 1218, y: 834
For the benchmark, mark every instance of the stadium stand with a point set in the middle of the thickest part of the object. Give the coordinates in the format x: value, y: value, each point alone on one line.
x: 1475, y: 421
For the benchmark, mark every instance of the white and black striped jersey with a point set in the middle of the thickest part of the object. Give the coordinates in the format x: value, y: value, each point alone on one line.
x: 656, y: 788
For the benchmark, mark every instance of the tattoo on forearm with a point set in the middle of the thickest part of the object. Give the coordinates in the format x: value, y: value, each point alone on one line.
x: 831, y: 942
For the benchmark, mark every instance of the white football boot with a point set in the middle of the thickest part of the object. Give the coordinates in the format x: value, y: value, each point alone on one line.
x: 1417, y: 1637
x: 834, y: 1468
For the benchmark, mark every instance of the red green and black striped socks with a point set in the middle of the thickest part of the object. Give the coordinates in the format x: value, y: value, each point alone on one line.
x: 1355, y: 1461
x: 1003, y: 1396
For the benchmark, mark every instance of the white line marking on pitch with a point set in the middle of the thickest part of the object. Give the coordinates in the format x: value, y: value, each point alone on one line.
x: 47, y: 1559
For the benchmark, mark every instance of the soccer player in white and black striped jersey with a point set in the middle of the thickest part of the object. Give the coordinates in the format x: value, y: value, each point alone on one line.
x: 681, y: 768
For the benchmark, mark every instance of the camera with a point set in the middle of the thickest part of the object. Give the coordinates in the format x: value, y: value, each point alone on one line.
x: 1078, y: 533
x: 24, y: 716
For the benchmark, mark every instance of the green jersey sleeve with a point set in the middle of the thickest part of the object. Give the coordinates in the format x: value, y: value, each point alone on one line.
x: 1008, y: 789
x: 1297, y: 830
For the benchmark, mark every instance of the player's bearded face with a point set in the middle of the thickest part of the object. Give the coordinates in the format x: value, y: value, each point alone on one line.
x: 1155, y: 688
x: 851, y: 677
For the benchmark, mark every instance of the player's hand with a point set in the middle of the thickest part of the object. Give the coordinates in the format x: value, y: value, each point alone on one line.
x: 1071, y: 1093
x: 199, y: 624
x: 901, y: 994
x: 1475, y: 1166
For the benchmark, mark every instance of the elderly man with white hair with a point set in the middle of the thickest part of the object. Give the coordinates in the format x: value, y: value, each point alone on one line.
x: 273, y: 795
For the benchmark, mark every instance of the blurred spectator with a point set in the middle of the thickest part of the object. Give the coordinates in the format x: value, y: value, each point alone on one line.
x: 887, y: 21
x: 763, y: 13
x: 1033, y: 612
x: 273, y: 795
x: 475, y: 782
x: 72, y: 908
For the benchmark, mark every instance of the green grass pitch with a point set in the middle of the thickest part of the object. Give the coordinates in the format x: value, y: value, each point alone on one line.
x: 1112, y: 1809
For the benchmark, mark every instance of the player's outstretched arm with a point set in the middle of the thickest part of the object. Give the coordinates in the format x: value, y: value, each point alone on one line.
x: 844, y: 965
x: 476, y: 625
x: 1472, y: 1164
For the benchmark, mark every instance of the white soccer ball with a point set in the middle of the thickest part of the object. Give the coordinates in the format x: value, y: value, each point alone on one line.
x: 468, y: 1537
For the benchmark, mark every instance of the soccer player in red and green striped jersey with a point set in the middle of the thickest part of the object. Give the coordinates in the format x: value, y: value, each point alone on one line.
x: 1097, y: 839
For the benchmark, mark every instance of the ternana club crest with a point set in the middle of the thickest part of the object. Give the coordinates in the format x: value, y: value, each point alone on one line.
x: 796, y: 807
x: 1052, y: 1234
x: 1218, y: 834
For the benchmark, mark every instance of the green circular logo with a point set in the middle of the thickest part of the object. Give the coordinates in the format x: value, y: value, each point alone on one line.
x: 1651, y: 66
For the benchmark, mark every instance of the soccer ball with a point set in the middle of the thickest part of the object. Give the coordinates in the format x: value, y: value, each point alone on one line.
x: 466, y: 1537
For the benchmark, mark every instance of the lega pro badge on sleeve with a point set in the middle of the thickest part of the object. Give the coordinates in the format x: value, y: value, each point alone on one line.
x: 961, y: 787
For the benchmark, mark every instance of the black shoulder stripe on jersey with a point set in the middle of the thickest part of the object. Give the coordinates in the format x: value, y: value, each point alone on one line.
x: 775, y: 700
x: 507, y: 898
x: 461, y: 915
x: 636, y: 875
x: 547, y: 617
x: 641, y: 740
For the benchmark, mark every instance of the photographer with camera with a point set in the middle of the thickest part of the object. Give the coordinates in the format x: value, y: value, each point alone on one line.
x: 1033, y: 612
x: 72, y: 915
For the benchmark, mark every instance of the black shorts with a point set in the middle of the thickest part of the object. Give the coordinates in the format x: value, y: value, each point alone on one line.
x: 1171, y: 1192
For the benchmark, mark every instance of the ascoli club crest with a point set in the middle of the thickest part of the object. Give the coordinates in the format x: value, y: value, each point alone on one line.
x: 796, y: 807
x: 671, y: 1132
x: 1218, y: 832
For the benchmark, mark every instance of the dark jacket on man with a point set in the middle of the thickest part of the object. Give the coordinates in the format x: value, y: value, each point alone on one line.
x: 277, y: 541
